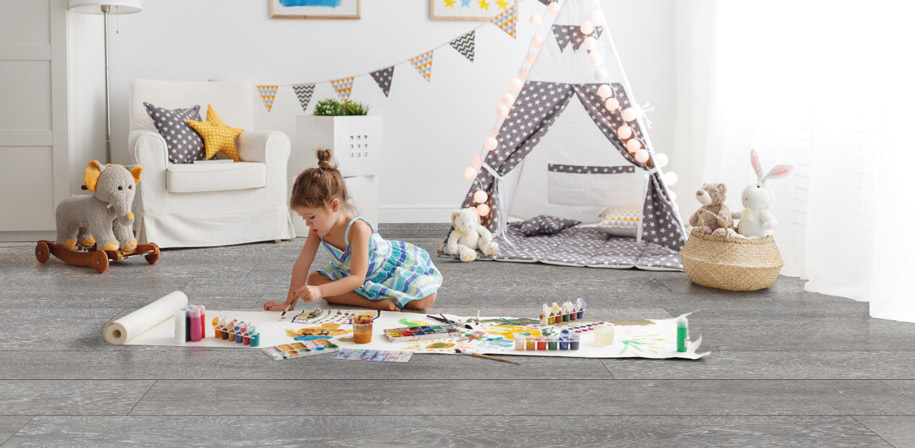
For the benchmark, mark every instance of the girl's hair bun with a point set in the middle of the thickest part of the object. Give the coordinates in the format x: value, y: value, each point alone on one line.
x: 324, y: 160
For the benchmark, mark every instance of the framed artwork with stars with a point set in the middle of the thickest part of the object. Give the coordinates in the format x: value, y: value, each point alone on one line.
x: 315, y: 9
x: 468, y: 9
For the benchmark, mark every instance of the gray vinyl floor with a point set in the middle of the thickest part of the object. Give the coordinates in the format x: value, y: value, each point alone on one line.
x: 788, y: 367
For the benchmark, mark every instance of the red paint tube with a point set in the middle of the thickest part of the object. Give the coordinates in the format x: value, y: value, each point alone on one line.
x: 203, y: 322
x: 195, y: 324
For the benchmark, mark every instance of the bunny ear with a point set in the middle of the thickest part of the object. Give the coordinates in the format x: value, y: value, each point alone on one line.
x: 779, y: 171
x: 757, y: 167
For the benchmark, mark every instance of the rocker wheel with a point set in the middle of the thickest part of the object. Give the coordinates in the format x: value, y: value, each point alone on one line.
x: 42, y: 252
x: 100, y: 261
x: 153, y: 256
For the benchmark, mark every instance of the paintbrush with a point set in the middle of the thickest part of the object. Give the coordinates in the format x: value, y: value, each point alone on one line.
x: 478, y: 355
x: 283, y: 316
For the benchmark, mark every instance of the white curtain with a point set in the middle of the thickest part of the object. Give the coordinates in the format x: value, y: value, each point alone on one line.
x: 823, y: 85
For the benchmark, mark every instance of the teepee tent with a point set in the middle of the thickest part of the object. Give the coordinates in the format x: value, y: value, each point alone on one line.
x: 571, y: 143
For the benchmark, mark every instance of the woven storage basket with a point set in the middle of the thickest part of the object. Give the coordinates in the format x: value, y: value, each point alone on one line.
x: 734, y: 264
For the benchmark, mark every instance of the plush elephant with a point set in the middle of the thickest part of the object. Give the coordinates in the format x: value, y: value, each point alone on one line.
x: 104, y: 218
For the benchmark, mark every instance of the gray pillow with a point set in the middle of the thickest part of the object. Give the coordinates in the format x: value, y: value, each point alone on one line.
x: 546, y: 225
x: 184, y: 143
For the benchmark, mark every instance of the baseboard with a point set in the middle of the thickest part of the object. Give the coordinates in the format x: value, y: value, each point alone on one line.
x: 420, y: 213
x: 28, y: 236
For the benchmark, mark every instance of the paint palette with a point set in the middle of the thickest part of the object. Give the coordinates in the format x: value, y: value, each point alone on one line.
x: 301, y: 349
x: 344, y: 317
x: 410, y: 334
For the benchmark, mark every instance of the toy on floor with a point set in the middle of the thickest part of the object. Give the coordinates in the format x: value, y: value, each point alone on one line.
x: 714, y: 217
x: 93, y: 230
x: 756, y: 221
x: 468, y: 236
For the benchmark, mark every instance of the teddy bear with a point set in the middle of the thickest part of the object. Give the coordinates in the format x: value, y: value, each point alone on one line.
x: 469, y: 235
x: 713, y: 217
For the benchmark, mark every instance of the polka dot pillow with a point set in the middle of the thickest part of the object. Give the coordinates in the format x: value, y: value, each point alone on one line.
x: 545, y: 225
x: 184, y: 144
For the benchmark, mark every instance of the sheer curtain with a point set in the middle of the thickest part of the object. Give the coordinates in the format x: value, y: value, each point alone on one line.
x: 826, y: 86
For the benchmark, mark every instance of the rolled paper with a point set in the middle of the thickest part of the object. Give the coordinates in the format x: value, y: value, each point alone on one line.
x: 141, y: 320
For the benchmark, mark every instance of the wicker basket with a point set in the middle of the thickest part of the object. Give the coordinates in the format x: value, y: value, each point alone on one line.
x: 734, y: 264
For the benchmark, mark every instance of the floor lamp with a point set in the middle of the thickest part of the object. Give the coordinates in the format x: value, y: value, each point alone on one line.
x: 106, y: 7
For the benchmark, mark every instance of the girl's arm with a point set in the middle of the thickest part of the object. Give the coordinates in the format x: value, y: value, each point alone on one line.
x: 299, y: 273
x: 359, y: 236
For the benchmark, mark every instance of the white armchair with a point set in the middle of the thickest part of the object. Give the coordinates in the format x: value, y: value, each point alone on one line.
x: 211, y: 204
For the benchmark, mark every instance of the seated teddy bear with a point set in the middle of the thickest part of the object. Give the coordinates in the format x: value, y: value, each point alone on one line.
x: 713, y: 217
x: 468, y: 236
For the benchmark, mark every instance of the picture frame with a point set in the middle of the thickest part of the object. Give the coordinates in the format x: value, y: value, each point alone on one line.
x: 315, y: 9
x: 473, y: 10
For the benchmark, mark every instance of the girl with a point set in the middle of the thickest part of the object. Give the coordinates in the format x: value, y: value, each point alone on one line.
x: 365, y: 270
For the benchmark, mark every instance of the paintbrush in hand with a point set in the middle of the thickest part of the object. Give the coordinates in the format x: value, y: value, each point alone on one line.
x: 283, y: 316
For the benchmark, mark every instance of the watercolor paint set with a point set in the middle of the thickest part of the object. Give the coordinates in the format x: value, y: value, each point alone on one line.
x: 301, y: 349
x: 568, y: 312
x: 233, y: 330
x: 564, y: 340
x: 357, y: 354
x: 410, y: 334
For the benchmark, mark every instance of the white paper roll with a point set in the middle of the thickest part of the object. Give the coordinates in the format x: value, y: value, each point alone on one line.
x: 141, y: 320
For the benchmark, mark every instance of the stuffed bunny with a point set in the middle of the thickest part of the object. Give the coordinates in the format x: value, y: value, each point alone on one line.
x: 104, y: 218
x: 468, y: 236
x: 756, y: 221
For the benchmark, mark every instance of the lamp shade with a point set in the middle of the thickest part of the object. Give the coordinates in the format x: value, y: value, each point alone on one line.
x: 95, y: 6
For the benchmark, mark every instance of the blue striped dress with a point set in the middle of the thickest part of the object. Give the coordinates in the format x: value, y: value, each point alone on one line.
x: 397, y: 270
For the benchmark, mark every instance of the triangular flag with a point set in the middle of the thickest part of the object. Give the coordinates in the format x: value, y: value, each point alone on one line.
x: 343, y: 87
x: 304, y: 92
x: 268, y: 94
x: 507, y: 20
x: 384, y: 77
x: 547, y: 2
x: 465, y: 45
x: 564, y: 34
x: 579, y: 38
x: 423, y: 64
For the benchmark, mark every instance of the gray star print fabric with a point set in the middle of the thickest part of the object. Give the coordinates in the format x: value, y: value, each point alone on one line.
x: 184, y: 143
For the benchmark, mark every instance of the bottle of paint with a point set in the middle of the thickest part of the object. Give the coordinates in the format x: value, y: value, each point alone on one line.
x: 187, y: 323
x: 217, y: 333
x: 256, y: 340
x: 564, y: 339
x: 203, y: 322
x: 682, y: 334
x: 575, y: 342
x: 519, y: 342
x: 530, y: 343
x: 362, y: 327
x: 541, y: 343
x: 581, y: 305
x: 553, y: 342
x: 180, y: 321
x: 195, y: 324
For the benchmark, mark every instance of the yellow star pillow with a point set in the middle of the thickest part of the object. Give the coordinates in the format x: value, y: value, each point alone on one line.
x: 216, y: 135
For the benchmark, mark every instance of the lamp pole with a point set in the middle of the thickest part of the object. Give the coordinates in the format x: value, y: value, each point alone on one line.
x: 105, y: 10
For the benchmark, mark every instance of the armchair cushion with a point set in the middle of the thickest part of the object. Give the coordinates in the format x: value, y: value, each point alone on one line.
x: 215, y: 176
x: 217, y: 136
x: 184, y: 144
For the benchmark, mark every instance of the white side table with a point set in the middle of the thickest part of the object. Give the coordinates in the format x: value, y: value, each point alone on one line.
x: 356, y: 142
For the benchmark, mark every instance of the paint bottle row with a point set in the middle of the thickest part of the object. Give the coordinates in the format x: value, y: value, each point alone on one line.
x: 237, y: 331
x: 553, y: 315
x: 562, y: 341
x: 190, y: 324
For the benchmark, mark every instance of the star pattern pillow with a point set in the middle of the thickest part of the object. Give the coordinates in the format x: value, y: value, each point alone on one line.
x: 217, y: 136
x: 184, y: 145
x: 545, y: 225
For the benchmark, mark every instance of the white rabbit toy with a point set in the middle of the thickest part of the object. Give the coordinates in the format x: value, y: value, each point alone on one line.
x: 756, y: 221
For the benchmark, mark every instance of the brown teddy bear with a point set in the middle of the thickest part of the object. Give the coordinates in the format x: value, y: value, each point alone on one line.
x: 713, y: 217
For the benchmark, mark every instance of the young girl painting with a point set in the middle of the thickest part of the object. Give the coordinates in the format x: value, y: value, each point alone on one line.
x: 365, y: 269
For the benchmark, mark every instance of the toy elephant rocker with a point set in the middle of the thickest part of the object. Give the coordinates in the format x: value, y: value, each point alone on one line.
x: 91, y: 230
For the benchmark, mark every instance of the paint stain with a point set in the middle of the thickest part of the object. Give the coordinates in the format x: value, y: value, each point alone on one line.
x: 321, y: 3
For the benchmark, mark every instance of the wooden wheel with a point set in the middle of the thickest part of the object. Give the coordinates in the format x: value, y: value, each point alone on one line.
x: 153, y: 256
x: 100, y: 261
x: 42, y: 252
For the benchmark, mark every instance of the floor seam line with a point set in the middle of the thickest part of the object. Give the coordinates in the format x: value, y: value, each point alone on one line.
x: 17, y: 431
x: 141, y: 398
x: 871, y: 431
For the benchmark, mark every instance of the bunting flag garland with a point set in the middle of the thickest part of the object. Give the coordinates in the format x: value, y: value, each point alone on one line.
x: 547, y: 2
x: 466, y: 45
x: 384, y: 77
x: 572, y: 33
x: 268, y: 94
x: 507, y: 20
x: 304, y: 92
x: 343, y: 87
x: 423, y: 64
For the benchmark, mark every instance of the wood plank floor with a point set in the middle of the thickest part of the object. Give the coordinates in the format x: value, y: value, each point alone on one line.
x: 788, y: 367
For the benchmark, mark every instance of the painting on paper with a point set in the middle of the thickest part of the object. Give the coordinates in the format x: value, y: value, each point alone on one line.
x: 315, y: 9
x: 468, y: 9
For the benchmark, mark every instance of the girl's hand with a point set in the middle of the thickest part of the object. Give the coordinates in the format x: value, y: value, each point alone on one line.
x: 308, y: 293
x: 277, y: 306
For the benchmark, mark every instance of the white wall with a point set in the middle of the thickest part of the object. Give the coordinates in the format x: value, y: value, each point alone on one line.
x: 431, y: 129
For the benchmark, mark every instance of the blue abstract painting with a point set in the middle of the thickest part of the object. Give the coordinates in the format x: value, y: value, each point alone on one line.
x: 324, y: 3
x: 315, y: 9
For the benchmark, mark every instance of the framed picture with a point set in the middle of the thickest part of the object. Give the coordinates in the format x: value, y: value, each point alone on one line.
x: 468, y: 9
x: 315, y: 9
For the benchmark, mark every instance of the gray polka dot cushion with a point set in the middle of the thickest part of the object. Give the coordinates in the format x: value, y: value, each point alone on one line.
x: 184, y: 143
x: 545, y: 225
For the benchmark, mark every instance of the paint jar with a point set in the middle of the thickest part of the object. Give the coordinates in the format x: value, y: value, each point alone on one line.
x: 581, y: 314
x: 563, y: 344
x: 575, y: 342
x: 551, y: 319
x: 255, y: 339
x: 565, y: 317
x: 603, y: 335
x: 541, y: 342
x: 573, y: 316
x: 519, y: 342
x: 362, y: 327
x: 530, y: 343
x: 553, y: 342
